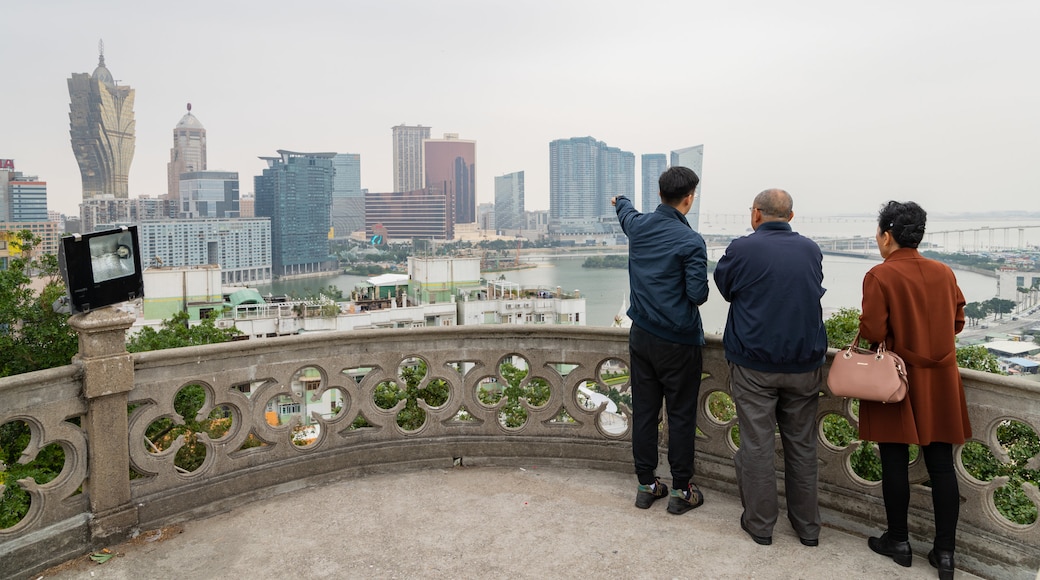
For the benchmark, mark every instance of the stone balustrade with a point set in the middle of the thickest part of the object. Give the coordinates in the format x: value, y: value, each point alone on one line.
x: 114, y: 483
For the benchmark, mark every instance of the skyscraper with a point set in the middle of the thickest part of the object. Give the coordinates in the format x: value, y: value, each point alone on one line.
x: 692, y: 157
x: 584, y: 174
x: 348, y: 201
x: 450, y: 168
x: 509, y: 201
x: 101, y: 124
x: 295, y: 191
x: 654, y: 164
x: 408, y: 162
x: 188, y: 152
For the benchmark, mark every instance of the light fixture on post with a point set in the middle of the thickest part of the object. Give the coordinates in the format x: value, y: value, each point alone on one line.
x: 100, y: 269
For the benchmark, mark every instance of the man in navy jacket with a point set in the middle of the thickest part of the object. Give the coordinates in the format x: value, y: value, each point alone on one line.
x: 668, y: 276
x: 775, y: 344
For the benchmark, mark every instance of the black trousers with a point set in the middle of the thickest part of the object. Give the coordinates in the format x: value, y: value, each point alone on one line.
x: 668, y: 372
x: 895, y: 486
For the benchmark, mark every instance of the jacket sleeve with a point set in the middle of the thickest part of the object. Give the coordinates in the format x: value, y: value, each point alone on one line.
x: 873, y: 322
x: 724, y: 276
x: 626, y: 212
x: 696, y: 272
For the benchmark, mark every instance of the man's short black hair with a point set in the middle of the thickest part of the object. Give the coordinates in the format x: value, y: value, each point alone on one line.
x: 676, y: 183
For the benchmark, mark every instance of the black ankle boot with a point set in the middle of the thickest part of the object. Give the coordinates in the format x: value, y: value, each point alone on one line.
x: 943, y: 560
x: 899, y: 551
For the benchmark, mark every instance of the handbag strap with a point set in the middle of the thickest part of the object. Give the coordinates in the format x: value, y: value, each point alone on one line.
x: 880, y: 351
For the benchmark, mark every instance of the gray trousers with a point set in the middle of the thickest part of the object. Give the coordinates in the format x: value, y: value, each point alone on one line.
x: 764, y: 402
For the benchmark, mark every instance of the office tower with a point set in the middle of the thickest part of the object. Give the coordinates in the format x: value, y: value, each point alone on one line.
x: 509, y: 201
x: 692, y: 157
x: 348, y: 201
x: 188, y: 152
x: 407, y: 214
x: 654, y: 164
x: 449, y: 167
x: 408, y: 162
x: 295, y: 191
x: 584, y: 174
x: 241, y: 246
x: 208, y: 194
x: 101, y: 124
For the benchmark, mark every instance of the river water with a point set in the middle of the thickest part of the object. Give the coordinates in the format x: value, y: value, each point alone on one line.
x: 604, y: 289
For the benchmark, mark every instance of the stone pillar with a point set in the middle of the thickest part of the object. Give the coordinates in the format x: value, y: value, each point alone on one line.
x: 108, y: 377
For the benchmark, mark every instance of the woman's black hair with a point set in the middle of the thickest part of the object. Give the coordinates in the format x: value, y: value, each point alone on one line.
x: 905, y: 221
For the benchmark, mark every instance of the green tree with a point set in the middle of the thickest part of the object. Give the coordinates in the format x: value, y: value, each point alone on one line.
x: 32, y: 336
x: 978, y: 358
x: 1000, y: 306
x: 975, y: 311
x: 177, y: 332
x: 842, y: 327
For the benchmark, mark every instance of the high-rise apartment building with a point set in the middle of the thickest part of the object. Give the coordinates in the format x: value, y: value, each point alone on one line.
x: 584, y: 174
x: 242, y: 247
x: 654, y: 164
x: 188, y: 152
x: 23, y: 206
x: 450, y: 168
x: 348, y: 201
x: 101, y: 124
x: 408, y: 162
x: 692, y: 157
x: 107, y: 213
x: 509, y: 201
x: 208, y: 194
x: 295, y: 192
x: 404, y: 215
x: 23, y: 198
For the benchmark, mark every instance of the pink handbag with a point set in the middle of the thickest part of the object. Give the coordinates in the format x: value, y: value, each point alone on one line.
x: 868, y: 375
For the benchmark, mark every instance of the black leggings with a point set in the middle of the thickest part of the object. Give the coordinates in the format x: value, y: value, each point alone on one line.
x: 895, y: 485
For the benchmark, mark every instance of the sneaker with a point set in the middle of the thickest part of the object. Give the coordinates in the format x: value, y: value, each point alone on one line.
x: 682, y: 501
x: 645, y: 497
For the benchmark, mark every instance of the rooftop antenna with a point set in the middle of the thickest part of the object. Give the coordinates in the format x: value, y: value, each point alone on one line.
x: 101, y: 52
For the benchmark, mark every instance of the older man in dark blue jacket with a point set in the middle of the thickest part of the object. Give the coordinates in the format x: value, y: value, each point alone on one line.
x: 776, y: 344
x: 668, y: 276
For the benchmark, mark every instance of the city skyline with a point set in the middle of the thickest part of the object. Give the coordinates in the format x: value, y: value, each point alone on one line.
x: 843, y: 106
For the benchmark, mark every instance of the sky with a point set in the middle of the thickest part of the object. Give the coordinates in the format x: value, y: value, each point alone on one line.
x: 845, y: 105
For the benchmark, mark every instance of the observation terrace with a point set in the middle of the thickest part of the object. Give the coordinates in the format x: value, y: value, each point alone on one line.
x: 443, y: 499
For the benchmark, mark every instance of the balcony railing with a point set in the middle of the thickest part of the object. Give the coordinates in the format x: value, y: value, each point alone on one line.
x: 100, y: 408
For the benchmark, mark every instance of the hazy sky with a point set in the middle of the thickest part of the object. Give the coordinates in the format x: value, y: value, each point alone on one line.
x: 843, y: 104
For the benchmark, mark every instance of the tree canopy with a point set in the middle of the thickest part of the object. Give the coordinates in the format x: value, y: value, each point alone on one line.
x: 32, y: 336
x: 176, y: 332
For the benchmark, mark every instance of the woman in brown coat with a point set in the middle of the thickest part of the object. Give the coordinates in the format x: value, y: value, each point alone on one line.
x: 914, y: 305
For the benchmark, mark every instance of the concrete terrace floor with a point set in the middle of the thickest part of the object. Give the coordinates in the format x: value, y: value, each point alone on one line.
x: 483, y: 522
